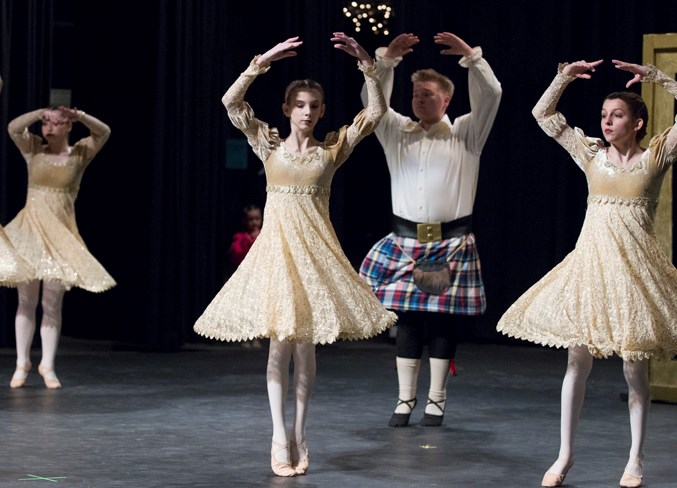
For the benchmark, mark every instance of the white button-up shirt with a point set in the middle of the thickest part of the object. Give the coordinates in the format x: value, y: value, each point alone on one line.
x: 434, y: 173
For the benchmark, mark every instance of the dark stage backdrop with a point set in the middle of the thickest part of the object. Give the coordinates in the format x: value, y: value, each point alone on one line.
x: 158, y: 205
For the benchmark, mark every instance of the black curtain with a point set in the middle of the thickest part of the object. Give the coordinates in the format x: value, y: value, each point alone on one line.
x: 26, y: 61
x: 158, y: 205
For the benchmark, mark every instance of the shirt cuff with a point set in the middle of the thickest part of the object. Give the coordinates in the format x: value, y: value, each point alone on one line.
x: 388, y: 62
x: 467, y: 61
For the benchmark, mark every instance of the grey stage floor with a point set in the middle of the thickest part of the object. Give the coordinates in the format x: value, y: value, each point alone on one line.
x: 200, y: 418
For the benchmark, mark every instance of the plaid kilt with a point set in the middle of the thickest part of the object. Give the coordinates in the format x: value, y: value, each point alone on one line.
x: 389, y: 273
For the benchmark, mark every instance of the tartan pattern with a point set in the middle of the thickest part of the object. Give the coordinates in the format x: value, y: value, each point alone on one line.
x: 388, y: 271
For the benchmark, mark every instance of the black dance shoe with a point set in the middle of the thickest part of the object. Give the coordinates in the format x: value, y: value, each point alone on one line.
x: 402, y: 419
x: 430, y: 420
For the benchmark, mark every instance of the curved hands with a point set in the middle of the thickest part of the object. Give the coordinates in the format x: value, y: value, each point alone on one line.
x: 581, y: 69
x: 287, y: 49
x: 68, y: 113
x: 351, y: 46
x: 456, y: 45
x: 404, y: 43
x: 636, y: 69
x: 401, y: 45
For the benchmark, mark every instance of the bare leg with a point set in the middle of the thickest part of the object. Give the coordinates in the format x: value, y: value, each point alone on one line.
x: 24, y: 325
x: 639, y: 398
x: 579, y: 366
x: 304, y: 379
x: 277, y: 376
x: 50, y: 330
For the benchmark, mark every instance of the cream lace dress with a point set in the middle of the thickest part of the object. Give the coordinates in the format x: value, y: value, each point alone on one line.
x: 295, y: 283
x: 45, y: 232
x: 616, y: 292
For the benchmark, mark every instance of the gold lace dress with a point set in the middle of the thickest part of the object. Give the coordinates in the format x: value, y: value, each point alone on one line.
x: 45, y: 232
x: 616, y: 292
x: 13, y: 269
x: 295, y: 283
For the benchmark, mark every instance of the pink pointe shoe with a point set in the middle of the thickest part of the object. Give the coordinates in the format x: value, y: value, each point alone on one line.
x: 301, y: 465
x: 551, y: 479
x: 19, y: 376
x: 49, y: 377
x: 630, y: 480
x: 281, y: 468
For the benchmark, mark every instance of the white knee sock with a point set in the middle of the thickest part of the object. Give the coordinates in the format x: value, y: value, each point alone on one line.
x: 439, y: 373
x: 407, y: 378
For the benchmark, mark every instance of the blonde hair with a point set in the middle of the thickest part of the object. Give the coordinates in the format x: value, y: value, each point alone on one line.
x: 443, y: 82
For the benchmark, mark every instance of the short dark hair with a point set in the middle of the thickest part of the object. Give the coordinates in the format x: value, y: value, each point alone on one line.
x: 249, y: 208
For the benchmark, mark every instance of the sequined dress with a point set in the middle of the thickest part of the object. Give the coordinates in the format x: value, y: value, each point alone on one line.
x: 296, y: 283
x: 13, y: 269
x: 45, y: 231
x: 616, y: 292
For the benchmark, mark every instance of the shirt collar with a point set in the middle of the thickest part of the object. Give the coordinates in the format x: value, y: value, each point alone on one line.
x: 443, y: 124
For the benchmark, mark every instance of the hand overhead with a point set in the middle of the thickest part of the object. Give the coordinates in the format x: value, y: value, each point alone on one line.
x: 401, y: 45
x: 352, y: 47
x: 636, y: 69
x: 456, y: 45
x: 580, y: 69
x: 282, y: 50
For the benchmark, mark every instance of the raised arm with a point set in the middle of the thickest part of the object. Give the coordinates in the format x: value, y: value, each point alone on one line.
x: 19, y: 133
x: 367, y: 120
x: 240, y: 112
x: 99, y: 132
x: 650, y: 74
x: 484, y: 89
x: 387, y: 59
x: 552, y: 122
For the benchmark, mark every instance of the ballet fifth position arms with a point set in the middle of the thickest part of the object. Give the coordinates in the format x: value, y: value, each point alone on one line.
x: 615, y: 292
x: 295, y: 286
x: 428, y: 267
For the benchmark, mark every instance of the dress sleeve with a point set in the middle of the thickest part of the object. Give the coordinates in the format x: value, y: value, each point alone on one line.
x: 385, y: 72
x: 27, y: 142
x: 581, y: 148
x: 368, y: 118
x: 99, y: 133
x: 663, y: 147
x: 260, y: 137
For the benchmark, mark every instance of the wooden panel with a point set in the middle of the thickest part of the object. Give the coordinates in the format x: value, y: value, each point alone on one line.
x: 661, y: 51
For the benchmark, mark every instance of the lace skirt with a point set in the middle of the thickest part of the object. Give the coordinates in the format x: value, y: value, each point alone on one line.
x: 615, y: 292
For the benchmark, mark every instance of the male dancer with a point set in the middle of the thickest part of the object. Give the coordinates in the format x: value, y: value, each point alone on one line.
x: 428, y: 268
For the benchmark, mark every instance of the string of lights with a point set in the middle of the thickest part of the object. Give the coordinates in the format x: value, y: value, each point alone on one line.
x: 369, y: 16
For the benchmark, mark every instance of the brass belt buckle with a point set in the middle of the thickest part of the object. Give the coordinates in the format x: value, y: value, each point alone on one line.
x: 429, y: 232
